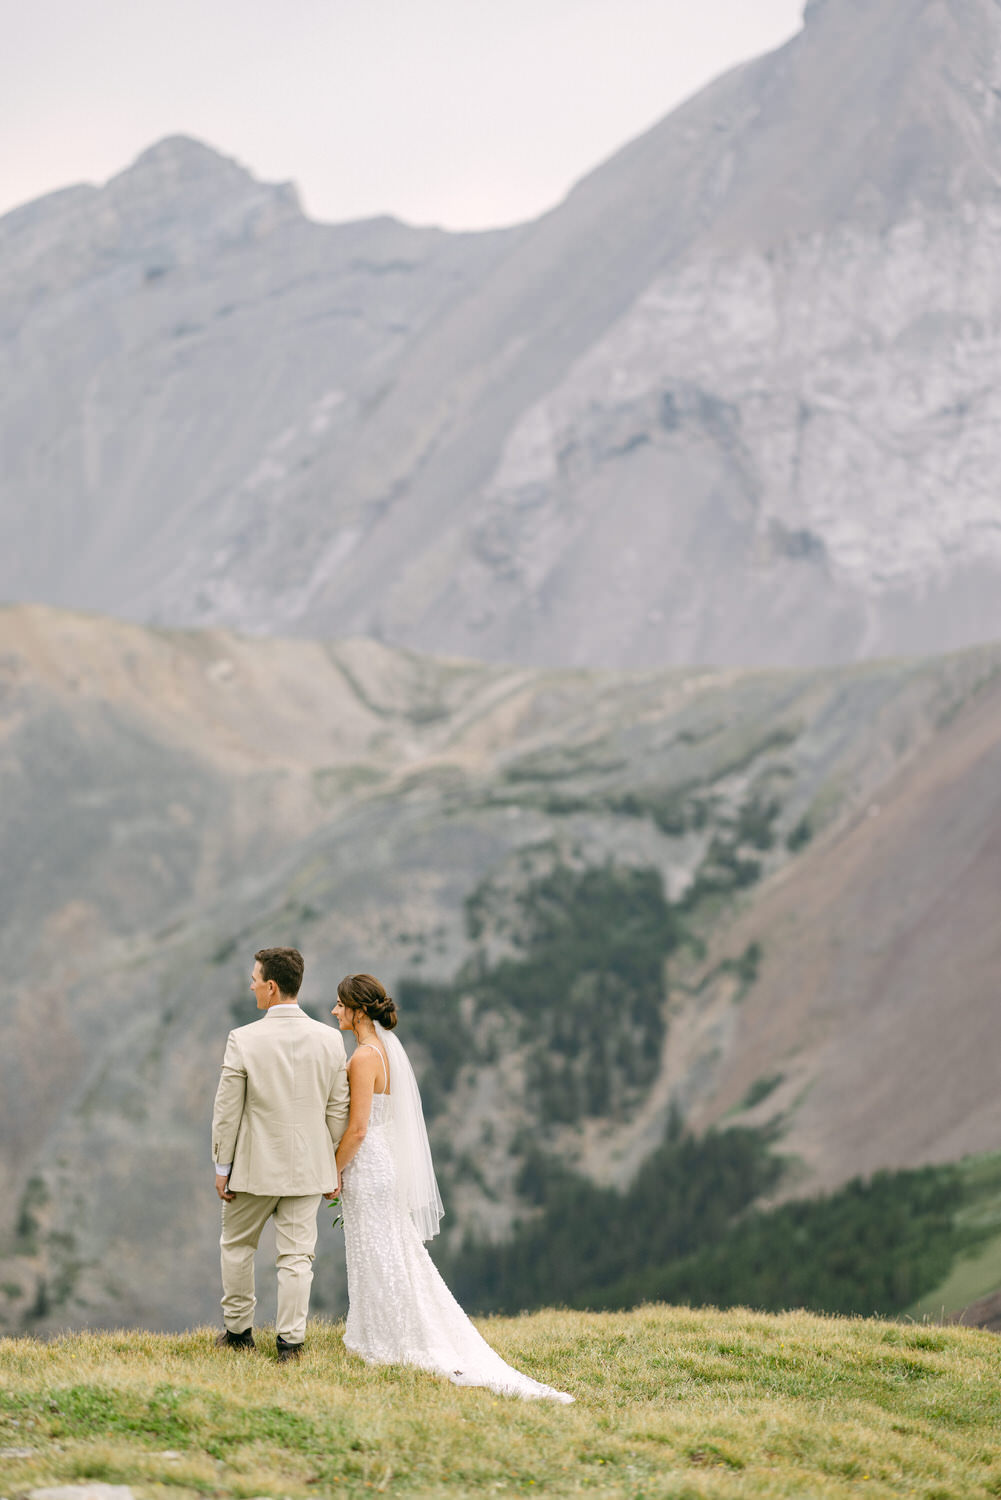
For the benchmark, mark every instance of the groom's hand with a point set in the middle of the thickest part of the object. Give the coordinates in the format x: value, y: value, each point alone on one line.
x: 222, y: 1188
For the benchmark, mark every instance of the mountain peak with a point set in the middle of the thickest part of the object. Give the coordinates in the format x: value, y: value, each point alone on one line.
x: 813, y: 8
x: 182, y: 182
x: 179, y: 165
x: 180, y: 149
x: 878, y: 110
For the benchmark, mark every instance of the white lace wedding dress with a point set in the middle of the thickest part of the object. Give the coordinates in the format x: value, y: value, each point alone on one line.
x: 400, y: 1311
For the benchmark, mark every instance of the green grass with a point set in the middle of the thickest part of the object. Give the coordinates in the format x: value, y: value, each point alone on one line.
x: 977, y: 1272
x: 973, y: 1276
x: 671, y: 1402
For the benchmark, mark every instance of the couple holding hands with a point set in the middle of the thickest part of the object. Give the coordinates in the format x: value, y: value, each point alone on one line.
x: 294, y: 1122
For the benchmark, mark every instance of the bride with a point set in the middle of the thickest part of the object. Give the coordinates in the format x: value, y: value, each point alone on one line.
x: 399, y: 1309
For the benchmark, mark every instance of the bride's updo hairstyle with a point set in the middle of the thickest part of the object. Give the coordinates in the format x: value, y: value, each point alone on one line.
x: 364, y: 992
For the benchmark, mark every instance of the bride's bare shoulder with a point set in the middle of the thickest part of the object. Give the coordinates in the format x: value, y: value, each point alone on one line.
x: 364, y: 1060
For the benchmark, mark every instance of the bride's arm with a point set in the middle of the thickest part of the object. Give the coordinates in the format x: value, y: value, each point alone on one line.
x: 361, y: 1072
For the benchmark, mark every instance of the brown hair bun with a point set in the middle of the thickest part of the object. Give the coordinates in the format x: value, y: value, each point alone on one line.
x: 364, y: 992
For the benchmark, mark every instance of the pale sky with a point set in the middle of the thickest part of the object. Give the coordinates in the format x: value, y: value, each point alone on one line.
x: 464, y: 113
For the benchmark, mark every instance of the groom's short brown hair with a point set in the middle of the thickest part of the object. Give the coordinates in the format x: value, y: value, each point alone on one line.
x: 284, y: 966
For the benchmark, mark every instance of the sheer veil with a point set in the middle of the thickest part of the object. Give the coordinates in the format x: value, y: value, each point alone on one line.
x: 416, y: 1182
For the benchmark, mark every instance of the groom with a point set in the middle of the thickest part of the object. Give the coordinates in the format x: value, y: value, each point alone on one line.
x: 280, y: 1110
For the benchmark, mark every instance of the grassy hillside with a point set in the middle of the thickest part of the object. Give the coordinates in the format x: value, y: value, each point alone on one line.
x: 670, y: 1402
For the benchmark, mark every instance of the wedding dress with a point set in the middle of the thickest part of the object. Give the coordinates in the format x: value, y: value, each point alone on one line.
x: 399, y: 1309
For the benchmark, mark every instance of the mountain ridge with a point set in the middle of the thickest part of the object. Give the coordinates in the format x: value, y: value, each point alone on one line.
x: 520, y: 445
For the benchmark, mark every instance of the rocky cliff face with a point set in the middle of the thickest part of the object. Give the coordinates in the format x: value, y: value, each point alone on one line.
x: 814, y: 424
x: 178, y: 350
x: 801, y: 861
x: 733, y: 400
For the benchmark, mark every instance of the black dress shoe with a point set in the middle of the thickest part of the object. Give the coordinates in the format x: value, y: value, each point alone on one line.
x: 229, y: 1340
x: 287, y: 1351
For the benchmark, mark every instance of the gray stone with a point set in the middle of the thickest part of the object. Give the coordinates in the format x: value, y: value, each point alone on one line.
x: 85, y: 1491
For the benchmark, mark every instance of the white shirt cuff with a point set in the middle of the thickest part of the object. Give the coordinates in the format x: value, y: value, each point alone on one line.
x: 223, y: 1171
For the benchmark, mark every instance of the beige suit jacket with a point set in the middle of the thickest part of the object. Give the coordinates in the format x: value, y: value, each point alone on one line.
x: 281, y: 1106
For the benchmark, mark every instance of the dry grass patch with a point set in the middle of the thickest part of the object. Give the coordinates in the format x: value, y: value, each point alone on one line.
x: 670, y: 1403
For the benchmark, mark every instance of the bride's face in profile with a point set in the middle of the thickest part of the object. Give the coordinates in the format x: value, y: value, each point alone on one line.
x: 343, y: 1015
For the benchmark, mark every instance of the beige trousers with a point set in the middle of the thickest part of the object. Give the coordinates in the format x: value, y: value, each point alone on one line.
x: 295, y: 1242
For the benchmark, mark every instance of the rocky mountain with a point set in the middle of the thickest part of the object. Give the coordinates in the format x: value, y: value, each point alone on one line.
x: 599, y: 898
x: 734, y: 400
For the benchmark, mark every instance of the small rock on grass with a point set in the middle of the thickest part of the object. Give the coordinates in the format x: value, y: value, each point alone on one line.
x: 83, y: 1492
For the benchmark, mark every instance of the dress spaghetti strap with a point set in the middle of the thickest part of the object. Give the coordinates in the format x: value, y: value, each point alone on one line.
x: 385, y: 1070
